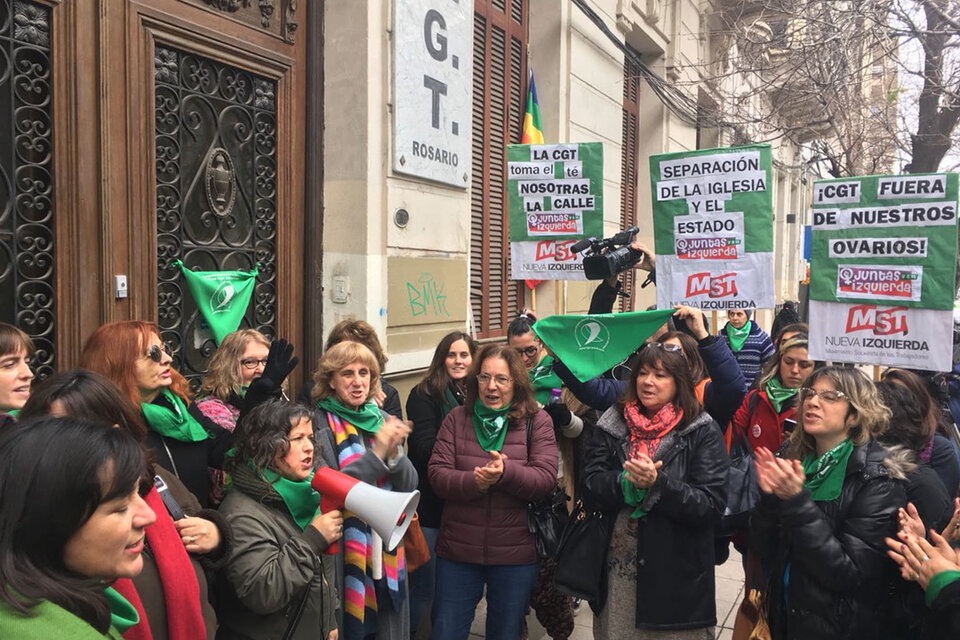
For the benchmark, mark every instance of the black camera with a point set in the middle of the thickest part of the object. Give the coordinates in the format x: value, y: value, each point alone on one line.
x: 609, y: 256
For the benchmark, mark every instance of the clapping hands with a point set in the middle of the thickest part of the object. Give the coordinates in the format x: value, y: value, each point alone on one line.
x: 783, y: 478
x: 490, y: 473
x: 641, y: 472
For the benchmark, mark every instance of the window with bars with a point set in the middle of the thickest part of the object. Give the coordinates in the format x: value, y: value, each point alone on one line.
x: 629, y: 169
x: 499, y: 72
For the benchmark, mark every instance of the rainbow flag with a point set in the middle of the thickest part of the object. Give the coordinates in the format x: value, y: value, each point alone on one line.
x: 532, y: 133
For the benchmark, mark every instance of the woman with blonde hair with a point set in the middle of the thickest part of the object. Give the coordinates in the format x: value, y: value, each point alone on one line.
x: 362, y: 441
x: 825, y: 508
x: 240, y: 358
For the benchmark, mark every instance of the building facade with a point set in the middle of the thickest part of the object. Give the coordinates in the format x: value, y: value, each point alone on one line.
x: 353, y: 149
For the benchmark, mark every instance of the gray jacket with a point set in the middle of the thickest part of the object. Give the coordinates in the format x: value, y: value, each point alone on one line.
x: 272, y: 564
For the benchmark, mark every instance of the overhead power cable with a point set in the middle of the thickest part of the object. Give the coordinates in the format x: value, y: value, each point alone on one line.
x: 677, y: 102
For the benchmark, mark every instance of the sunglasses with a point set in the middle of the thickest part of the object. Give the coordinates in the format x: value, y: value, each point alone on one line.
x: 672, y: 348
x: 156, y: 353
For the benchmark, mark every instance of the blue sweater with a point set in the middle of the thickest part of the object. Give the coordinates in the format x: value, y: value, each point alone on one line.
x: 755, y: 352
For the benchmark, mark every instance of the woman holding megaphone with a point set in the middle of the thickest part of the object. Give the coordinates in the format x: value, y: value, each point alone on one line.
x: 365, y: 443
x: 278, y: 582
x: 493, y: 456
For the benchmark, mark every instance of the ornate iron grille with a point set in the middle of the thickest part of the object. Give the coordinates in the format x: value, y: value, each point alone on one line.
x: 27, y: 285
x: 216, y: 140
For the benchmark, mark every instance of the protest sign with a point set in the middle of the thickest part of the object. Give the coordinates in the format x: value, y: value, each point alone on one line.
x: 882, y: 270
x: 713, y: 228
x: 555, y: 197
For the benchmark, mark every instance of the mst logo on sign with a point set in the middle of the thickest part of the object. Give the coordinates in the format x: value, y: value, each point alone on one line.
x: 882, y: 322
x: 558, y: 251
x: 722, y: 286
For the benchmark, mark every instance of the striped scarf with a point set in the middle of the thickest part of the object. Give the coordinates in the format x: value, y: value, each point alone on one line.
x: 360, y: 602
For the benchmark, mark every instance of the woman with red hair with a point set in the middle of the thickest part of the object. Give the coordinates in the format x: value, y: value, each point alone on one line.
x: 132, y: 355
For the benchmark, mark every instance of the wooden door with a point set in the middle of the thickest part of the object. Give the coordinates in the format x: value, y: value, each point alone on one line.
x: 179, y: 132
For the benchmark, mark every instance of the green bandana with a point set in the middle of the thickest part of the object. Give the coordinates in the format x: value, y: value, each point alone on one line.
x: 177, y: 424
x: 633, y: 496
x: 544, y: 380
x: 598, y: 341
x: 737, y: 336
x: 937, y: 583
x: 825, y: 474
x: 448, y: 403
x: 301, y: 500
x: 122, y: 613
x: 490, y: 425
x: 222, y: 297
x: 777, y: 394
x: 368, y: 417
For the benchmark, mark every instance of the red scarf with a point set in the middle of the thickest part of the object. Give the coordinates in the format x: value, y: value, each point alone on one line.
x: 646, y: 433
x: 181, y: 592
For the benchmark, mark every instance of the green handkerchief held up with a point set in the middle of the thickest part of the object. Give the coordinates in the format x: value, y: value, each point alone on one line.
x: 590, y: 344
x: 221, y: 296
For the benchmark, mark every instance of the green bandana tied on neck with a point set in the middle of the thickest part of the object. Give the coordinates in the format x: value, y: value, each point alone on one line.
x: 367, y: 417
x: 449, y: 402
x: 544, y: 380
x: 737, y: 336
x: 177, y: 424
x: 122, y: 614
x: 301, y: 500
x: 490, y: 425
x: 825, y: 474
x: 777, y: 394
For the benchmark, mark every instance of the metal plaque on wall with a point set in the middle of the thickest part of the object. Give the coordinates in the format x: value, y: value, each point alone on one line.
x: 432, y: 58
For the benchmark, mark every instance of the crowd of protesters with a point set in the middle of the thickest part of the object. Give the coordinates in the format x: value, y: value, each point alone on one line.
x: 131, y: 509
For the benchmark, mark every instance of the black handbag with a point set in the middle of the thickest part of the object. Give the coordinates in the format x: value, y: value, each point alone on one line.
x: 582, y: 556
x: 546, y: 517
x: 742, y: 489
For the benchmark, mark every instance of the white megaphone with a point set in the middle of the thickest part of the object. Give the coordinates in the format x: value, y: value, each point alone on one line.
x: 389, y: 513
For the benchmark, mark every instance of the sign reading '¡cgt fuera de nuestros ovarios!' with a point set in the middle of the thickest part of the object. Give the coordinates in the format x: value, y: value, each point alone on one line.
x: 883, y: 269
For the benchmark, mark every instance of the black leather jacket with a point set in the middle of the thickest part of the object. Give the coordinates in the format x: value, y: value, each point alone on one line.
x: 675, y: 552
x: 835, y: 553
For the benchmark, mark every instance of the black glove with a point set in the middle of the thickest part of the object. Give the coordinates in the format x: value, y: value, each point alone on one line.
x: 279, y: 361
x: 269, y: 384
x: 559, y: 413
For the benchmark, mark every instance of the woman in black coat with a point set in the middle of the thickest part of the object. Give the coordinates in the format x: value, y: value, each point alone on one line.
x: 427, y: 405
x: 825, y: 509
x: 657, y: 464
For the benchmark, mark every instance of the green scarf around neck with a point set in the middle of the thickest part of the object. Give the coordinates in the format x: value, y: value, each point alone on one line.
x: 825, y: 473
x: 301, y: 500
x: 177, y: 424
x: 544, y: 380
x: 123, y: 615
x: 777, y: 394
x: 367, y: 417
x: 737, y: 336
x: 490, y: 425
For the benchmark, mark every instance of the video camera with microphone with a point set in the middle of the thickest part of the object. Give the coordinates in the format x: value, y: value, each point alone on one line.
x: 609, y: 256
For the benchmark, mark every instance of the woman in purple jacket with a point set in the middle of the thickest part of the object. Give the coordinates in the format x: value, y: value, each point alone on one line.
x: 482, y: 468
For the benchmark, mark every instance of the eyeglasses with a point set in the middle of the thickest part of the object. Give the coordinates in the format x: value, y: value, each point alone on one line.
x: 528, y: 351
x: 501, y: 381
x: 672, y: 348
x: 827, y: 395
x: 156, y: 353
x: 251, y: 363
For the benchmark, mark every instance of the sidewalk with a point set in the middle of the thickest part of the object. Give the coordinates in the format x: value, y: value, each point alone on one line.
x: 729, y: 592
